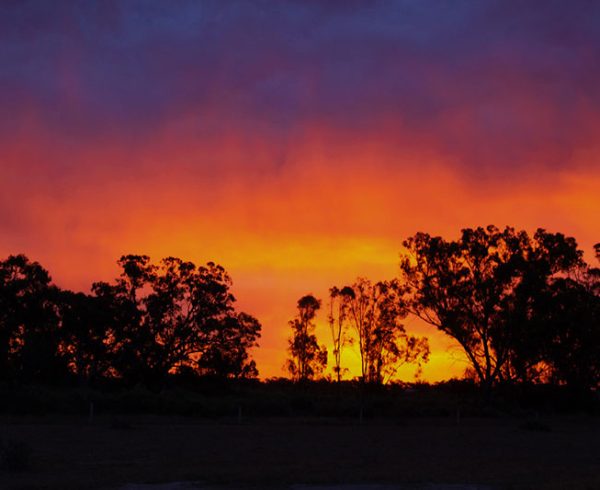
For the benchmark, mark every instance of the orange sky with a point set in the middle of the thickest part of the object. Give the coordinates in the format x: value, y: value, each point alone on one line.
x: 297, y: 230
x: 295, y: 143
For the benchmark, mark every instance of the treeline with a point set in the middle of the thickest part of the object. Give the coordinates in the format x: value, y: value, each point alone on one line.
x: 524, y: 309
x: 366, y: 315
x: 152, y: 321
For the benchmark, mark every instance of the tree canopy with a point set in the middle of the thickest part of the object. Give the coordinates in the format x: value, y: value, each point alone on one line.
x: 491, y: 290
x: 523, y: 308
x: 153, y: 320
x: 307, y: 358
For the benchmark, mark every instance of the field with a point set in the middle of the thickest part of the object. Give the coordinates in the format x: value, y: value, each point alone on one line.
x: 554, y: 453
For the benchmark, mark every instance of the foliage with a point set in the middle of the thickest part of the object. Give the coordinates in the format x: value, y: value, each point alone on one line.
x: 153, y: 320
x: 338, y: 325
x: 84, y: 337
x: 376, y: 311
x: 525, y: 310
x: 175, y: 315
x: 494, y: 292
x: 307, y: 358
x: 29, y: 343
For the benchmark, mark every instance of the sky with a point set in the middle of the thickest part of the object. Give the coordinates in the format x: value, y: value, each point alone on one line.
x: 297, y: 143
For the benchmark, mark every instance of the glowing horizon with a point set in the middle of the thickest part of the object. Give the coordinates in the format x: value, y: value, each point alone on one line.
x: 296, y: 144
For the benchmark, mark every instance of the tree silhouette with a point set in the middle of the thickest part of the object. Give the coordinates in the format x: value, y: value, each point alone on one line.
x: 226, y: 345
x: 338, y: 316
x: 547, y: 260
x: 84, y: 337
x: 173, y: 316
x: 571, y: 346
x: 308, y: 359
x: 29, y: 340
x: 479, y: 288
x: 134, y: 349
x: 525, y: 309
x: 376, y: 312
x: 567, y: 316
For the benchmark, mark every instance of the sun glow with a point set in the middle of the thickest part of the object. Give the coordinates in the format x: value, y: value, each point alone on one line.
x: 281, y: 231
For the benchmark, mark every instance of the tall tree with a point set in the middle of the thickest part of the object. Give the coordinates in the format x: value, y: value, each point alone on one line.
x: 174, y: 314
x: 338, y: 316
x: 376, y: 312
x: 134, y: 349
x: 567, y: 316
x: 29, y: 335
x: 548, y: 259
x: 478, y: 289
x: 570, y: 348
x: 307, y: 358
x: 226, y: 345
x: 84, y: 336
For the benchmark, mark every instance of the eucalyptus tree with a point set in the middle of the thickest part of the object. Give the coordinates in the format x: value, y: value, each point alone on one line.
x: 29, y: 319
x: 175, y: 314
x: 338, y: 325
x: 569, y: 317
x: 84, y: 338
x: 484, y: 290
x: 307, y: 358
x: 376, y: 313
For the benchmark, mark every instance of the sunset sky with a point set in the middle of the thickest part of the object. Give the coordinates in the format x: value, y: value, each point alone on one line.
x: 297, y: 143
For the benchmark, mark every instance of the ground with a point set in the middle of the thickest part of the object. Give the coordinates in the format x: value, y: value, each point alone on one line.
x: 496, y: 453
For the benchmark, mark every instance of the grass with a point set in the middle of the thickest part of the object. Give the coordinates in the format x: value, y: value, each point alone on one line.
x: 15, y: 455
x: 72, y: 453
x: 536, y: 426
x: 275, y: 434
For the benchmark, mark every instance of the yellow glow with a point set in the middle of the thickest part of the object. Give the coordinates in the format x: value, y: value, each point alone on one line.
x: 281, y: 231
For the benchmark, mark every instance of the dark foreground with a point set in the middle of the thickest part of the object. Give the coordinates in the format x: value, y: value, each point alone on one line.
x: 558, y: 453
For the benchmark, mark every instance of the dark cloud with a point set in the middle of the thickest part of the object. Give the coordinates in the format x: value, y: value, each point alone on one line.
x: 489, y: 83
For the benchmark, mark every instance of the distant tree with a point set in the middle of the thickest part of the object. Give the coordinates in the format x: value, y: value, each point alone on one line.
x: 480, y: 290
x: 338, y: 316
x: 29, y: 335
x: 176, y: 315
x: 307, y: 358
x: 376, y: 312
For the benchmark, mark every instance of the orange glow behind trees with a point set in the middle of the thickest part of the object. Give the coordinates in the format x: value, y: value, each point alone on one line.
x: 282, y: 231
